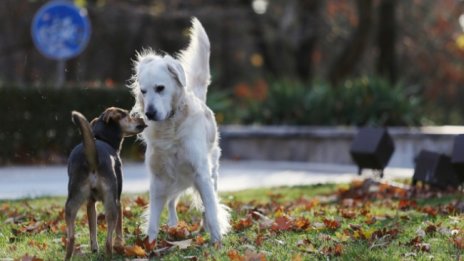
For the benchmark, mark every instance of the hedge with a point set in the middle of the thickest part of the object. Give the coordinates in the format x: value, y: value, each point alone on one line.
x: 36, y: 123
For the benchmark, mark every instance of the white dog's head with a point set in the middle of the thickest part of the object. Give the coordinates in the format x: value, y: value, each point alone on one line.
x: 159, y: 81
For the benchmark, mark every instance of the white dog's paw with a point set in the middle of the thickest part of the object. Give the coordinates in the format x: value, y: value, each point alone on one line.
x: 216, y: 239
x: 152, y: 234
x: 172, y: 222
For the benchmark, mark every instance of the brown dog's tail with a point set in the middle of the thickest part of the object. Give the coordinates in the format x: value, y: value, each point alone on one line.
x: 88, y: 140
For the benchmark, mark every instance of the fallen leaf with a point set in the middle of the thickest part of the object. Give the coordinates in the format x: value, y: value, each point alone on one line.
x: 431, y: 229
x: 424, y: 247
x: 348, y: 214
x: 127, y: 212
x: 370, y: 220
x: 300, y: 223
x: 180, y: 231
x: 243, y: 223
x: 414, y: 241
x: 335, y: 250
x: 430, y: 211
x: 134, y: 251
x: 331, y: 223
x: 199, y: 240
x: 458, y: 242
x: 259, y: 240
x: 341, y: 237
x: 41, y: 246
x: 405, y: 204
x: 146, y: 244
x: 183, y: 244
x: 251, y: 255
x: 141, y: 202
x: 281, y: 223
x: 234, y: 255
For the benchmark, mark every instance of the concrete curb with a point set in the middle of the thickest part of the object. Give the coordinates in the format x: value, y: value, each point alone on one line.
x: 20, y: 182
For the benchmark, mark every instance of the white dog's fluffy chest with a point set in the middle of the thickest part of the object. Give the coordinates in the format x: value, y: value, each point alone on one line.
x: 175, y: 149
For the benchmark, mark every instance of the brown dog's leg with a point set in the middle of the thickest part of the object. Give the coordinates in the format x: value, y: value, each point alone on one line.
x: 92, y: 216
x: 119, y: 237
x: 71, y: 208
x: 111, y: 211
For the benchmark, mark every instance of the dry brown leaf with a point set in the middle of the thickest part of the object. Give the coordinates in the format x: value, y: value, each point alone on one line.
x: 199, y: 240
x: 331, y: 223
x: 301, y: 223
x: 282, y: 223
x: 141, y: 202
x: 259, y: 240
x: 251, y: 255
x: 134, y: 251
x: 430, y: 211
x: 234, y: 255
x: 180, y: 231
x: 243, y: 223
x: 405, y: 204
x: 348, y: 214
x: 458, y: 242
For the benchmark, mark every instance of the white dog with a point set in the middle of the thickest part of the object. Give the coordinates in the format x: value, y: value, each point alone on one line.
x: 181, y: 137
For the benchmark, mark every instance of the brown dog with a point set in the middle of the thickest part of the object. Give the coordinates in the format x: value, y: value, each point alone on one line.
x: 95, y: 174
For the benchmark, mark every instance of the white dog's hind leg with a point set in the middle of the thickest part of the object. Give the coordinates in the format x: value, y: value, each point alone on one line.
x: 216, y: 154
x: 157, y: 202
x: 216, y: 215
x: 172, y: 219
x: 205, y: 187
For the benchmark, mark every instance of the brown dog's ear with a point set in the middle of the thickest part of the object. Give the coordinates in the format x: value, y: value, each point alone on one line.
x: 114, y: 114
x: 93, y: 122
x: 111, y: 113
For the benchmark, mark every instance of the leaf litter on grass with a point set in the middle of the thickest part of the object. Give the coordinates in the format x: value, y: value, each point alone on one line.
x: 366, y: 213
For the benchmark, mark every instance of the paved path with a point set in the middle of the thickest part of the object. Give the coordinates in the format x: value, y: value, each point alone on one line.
x: 19, y: 182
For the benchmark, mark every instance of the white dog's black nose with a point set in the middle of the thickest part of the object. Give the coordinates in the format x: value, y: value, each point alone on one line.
x: 151, y: 115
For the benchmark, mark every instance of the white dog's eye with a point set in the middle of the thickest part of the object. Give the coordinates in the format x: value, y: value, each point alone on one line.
x: 159, y: 88
x: 143, y: 91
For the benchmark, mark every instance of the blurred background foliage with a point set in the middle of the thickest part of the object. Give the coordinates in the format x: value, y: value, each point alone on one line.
x: 299, y: 62
x: 36, y: 126
x: 358, y: 102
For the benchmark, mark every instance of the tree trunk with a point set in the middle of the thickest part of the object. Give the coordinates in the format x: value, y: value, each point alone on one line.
x: 309, y: 23
x: 386, y: 63
x: 351, y: 54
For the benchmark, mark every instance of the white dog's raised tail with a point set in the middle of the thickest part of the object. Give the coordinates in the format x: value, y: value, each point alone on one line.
x: 195, y: 60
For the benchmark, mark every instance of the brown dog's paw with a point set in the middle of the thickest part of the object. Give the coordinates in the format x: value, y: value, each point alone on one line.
x: 118, y: 242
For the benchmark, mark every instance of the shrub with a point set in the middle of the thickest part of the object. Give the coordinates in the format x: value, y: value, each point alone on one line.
x: 36, y: 123
x: 363, y: 101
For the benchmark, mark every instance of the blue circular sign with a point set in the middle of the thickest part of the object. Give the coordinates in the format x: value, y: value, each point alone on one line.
x: 60, y: 30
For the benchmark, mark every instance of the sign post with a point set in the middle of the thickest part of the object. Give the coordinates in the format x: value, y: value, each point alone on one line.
x: 60, y: 31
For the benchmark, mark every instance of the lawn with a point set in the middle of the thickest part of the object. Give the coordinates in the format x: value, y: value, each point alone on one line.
x: 359, y: 221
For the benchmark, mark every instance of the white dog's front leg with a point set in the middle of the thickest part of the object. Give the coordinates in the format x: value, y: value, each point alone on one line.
x: 157, y: 202
x: 204, y: 186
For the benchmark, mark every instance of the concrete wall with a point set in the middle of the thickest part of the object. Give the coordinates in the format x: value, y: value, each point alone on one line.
x: 327, y: 145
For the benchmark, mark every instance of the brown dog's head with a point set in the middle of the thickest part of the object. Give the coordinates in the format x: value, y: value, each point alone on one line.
x: 128, y: 125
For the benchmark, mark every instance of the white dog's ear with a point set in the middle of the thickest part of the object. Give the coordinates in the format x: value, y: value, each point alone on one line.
x: 175, y: 68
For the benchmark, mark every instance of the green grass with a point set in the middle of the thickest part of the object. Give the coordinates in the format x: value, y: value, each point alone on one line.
x: 36, y: 226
